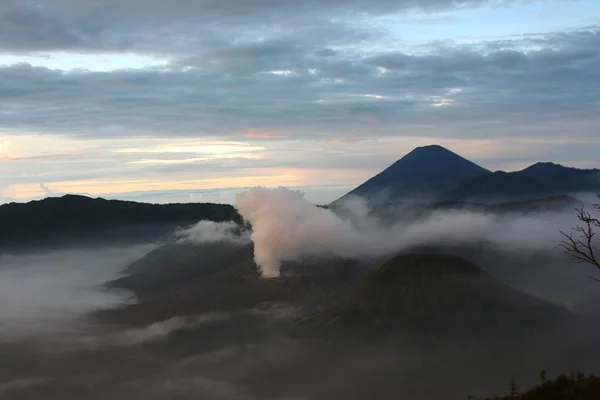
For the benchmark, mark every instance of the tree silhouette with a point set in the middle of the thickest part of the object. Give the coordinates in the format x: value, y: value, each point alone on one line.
x: 543, y: 376
x: 579, y: 244
x: 512, y: 386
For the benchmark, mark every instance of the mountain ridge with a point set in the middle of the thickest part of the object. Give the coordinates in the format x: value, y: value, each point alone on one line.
x: 77, y: 219
x: 433, y: 174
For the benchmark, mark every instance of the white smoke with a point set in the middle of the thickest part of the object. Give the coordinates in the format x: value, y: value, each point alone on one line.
x: 213, y: 232
x: 286, y: 227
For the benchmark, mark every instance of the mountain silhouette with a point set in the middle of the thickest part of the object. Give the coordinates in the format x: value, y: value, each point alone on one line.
x: 422, y: 175
x: 429, y: 175
x: 191, y: 279
x: 500, y: 186
x: 436, y: 296
x: 567, y: 178
x: 542, y: 179
x: 78, y: 219
x: 433, y: 174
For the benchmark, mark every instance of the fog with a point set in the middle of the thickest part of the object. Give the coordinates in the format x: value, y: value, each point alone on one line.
x: 46, y: 293
x: 286, y: 227
x: 520, y: 249
x: 57, y: 348
x: 213, y: 232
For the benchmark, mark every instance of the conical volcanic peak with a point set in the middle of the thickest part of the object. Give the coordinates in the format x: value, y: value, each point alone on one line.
x: 436, y: 294
x: 544, y: 166
x: 421, y: 175
x: 425, y: 263
x: 433, y: 174
x: 435, y: 154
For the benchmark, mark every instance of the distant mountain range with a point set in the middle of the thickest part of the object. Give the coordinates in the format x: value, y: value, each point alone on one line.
x: 428, y: 178
x: 433, y: 174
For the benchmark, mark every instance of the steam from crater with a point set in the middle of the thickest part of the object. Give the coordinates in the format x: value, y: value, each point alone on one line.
x: 285, y: 227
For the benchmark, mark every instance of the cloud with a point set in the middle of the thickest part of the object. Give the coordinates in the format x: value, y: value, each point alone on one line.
x: 116, y: 25
x: 260, y: 134
x: 286, y: 227
x: 156, y: 331
x: 213, y: 232
x: 45, y: 188
x: 342, y: 141
x: 293, y: 77
x: 46, y: 293
x: 162, y: 330
x: 26, y: 28
x: 541, y: 91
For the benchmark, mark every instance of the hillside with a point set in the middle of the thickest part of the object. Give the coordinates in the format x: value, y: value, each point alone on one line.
x: 536, y: 181
x: 80, y: 219
x: 392, y: 213
x: 436, y: 297
x: 569, y: 179
x: 191, y: 279
x: 577, y: 387
x: 500, y: 186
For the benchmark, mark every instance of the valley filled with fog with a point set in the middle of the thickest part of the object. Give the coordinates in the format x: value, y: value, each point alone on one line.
x: 301, y: 303
x: 299, y: 200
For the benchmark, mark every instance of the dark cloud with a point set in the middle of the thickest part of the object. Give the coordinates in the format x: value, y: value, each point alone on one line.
x: 53, y: 25
x: 298, y: 84
x: 144, y: 24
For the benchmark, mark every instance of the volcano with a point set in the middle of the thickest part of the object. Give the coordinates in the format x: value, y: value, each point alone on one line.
x: 421, y: 175
x: 436, y: 296
x: 191, y: 279
x: 433, y: 174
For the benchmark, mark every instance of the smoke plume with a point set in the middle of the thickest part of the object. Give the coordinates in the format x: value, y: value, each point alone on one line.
x: 286, y: 227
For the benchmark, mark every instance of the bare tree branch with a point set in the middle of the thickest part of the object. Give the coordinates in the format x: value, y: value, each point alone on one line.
x: 579, y: 244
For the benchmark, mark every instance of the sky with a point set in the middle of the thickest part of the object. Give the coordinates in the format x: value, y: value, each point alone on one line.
x: 197, y: 100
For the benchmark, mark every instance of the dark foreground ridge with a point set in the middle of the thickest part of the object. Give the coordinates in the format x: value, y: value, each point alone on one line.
x: 574, y: 387
x: 79, y: 219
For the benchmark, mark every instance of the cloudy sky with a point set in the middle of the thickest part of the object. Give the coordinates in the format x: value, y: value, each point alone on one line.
x: 191, y: 100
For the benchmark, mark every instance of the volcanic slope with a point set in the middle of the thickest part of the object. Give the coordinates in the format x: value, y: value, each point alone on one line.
x: 421, y: 175
x: 436, y: 297
x: 571, y: 180
x: 190, y: 279
x: 434, y: 174
x: 501, y: 186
